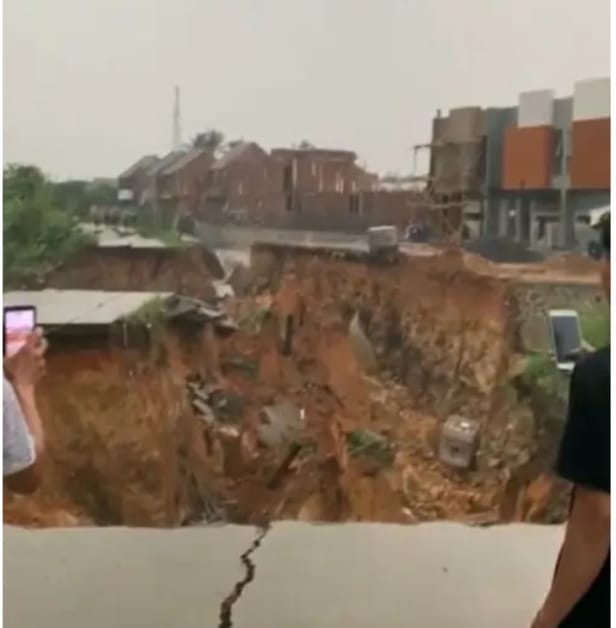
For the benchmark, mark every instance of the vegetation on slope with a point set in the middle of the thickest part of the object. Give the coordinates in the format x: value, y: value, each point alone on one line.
x: 595, y: 323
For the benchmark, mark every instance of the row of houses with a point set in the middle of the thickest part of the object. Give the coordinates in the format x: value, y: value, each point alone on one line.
x: 531, y: 171
x: 246, y: 182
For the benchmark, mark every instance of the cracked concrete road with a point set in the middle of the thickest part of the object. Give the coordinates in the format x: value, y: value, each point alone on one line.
x: 431, y: 575
x: 295, y: 575
x: 129, y: 578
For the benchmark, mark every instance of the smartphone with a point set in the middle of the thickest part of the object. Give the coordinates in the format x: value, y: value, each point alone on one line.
x: 18, y: 323
x: 566, y: 337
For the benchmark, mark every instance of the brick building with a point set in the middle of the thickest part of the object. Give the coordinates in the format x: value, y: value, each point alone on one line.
x: 243, y: 183
x: 133, y: 181
x: 182, y: 183
x: 307, y: 175
x: 168, y: 186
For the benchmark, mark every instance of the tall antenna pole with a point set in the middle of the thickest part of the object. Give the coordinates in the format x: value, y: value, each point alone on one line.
x: 177, y: 129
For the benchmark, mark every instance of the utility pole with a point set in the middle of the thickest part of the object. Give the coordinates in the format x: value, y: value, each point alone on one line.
x: 177, y: 128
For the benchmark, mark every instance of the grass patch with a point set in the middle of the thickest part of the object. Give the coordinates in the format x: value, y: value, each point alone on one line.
x: 540, y: 372
x: 253, y: 321
x: 595, y: 324
x: 368, y: 443
x: 151, y: 313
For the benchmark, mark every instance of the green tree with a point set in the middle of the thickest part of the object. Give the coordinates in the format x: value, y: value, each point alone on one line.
x: 72, y: 196
x: 37, y: 234
x: 76, y: 196
x: 211, y: 140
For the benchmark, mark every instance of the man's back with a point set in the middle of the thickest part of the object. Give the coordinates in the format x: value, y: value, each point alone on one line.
x: 584, y: 460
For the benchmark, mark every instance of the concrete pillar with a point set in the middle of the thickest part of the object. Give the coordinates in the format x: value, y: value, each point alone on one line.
x: 567, y: 218
x: 519, y: 236
x: 503, y: 218
x: 534, y: 226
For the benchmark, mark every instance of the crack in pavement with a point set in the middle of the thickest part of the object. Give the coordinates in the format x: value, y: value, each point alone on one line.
x: 226, y: 608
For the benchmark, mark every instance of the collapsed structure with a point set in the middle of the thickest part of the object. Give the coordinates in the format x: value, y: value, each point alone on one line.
x: 325, y: 401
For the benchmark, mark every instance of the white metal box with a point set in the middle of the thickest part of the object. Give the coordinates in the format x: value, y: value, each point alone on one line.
x: 459, y: 441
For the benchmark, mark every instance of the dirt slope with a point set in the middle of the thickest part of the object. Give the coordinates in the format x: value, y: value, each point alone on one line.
x: 186, y: 271
x: 126, y: 448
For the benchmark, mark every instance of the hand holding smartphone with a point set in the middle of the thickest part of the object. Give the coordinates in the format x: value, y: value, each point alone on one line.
x: 18, y: 323
x: 24, y: 347
x: 566, y: 337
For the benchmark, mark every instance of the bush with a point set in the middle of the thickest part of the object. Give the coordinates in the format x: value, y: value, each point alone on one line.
x: 37, y: 234
x: 540, y: 373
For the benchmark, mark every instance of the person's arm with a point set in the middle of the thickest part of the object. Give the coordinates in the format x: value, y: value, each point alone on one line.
x: 29, y: 409
x: 584, y: 551
x: 584, y: 461
x: 24, y: 370
x: 19, y: 456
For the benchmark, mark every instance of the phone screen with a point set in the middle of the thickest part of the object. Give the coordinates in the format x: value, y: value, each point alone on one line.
x: 567, y: 339
x: 18, y: 325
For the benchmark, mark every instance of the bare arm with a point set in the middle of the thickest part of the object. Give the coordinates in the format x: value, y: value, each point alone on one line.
x: 27, y: 401
x: 583, y: 460
x: 19, y: 457
x: 584, y: 551
x: 23, y: 428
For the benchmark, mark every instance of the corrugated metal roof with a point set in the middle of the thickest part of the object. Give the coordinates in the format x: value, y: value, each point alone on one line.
x: 144, y: 163
x: 81, y: 307
x: 110, y: 237
x: 183, y: 161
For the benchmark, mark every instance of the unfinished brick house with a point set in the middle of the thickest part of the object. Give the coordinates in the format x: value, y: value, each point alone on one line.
x: 133, y: 181
x: 243, y: 183
x: 182, y: 183
x: 169, y: 186
x: 309, y: 172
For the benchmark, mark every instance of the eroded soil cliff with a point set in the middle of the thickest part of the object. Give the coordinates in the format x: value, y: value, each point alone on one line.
x: 297, y: 415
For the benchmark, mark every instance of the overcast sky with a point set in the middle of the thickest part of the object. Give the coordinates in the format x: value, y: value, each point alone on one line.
x: 88, y: 84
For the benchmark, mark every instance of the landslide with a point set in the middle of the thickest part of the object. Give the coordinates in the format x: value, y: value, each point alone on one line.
x: 123, y: 447
x: 296, y: 424
x: 445, y: 339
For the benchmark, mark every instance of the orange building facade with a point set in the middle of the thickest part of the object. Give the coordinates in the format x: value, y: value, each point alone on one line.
x: 528, y: 158
x: 589, y: 167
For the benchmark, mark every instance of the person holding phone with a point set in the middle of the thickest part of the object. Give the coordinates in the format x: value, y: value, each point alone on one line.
x: 579, y: 596
x: 22, y: 427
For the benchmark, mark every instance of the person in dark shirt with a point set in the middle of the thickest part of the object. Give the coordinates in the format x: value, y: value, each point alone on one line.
x: 580, y: 593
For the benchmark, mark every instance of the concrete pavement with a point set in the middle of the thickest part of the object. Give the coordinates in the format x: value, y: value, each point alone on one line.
x: 300, y: 575
x: 431, y: 575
